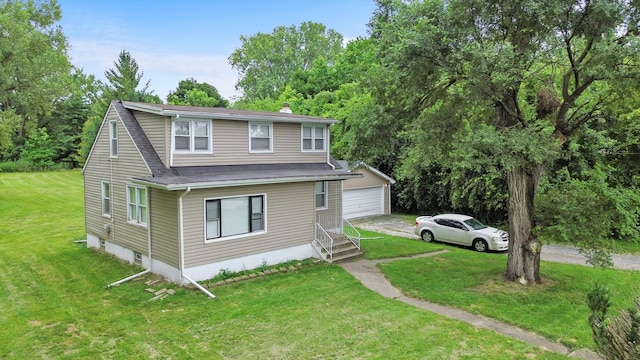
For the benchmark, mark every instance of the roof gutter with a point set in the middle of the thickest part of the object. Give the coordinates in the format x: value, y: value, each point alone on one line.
x: 218, y: 184
x: 181, y: 224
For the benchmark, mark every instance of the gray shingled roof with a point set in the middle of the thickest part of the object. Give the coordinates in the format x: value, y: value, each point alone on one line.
x: 223, y: 175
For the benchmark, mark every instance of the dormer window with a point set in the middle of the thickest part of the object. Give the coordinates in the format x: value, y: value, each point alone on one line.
x: 260, y: 137
x: 192, y: 136
x: 313, y: 138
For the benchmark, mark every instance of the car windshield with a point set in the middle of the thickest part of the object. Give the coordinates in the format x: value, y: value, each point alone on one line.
x: 475, y: 224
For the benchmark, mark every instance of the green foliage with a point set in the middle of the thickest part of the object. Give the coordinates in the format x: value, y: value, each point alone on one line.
x: 266, y: 63
x: 38, y: 150
x: 192, y: 93
x: 615, y: 338
x: 35, y: 68
x: 588, y: 213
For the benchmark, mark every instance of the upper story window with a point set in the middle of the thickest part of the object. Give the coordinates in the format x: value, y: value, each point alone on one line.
x: 321, y: 194
x: 106, y: 198
x: 192, y: 136
x: 137, y: 204
x: 260, y: 137
x: 234, y: 216
x: 113, y: 138
x: 313, y: 138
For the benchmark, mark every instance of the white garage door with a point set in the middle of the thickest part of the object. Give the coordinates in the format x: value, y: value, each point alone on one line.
x: 363, y: 202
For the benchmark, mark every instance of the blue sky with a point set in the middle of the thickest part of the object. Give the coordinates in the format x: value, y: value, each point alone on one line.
x: 175, y: 40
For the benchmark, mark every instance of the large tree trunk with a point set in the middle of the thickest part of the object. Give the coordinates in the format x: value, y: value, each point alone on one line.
x: 523, y: 261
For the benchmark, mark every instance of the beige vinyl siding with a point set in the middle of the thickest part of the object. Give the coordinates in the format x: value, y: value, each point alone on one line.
x: 155, y: 127
x: 369, y: 179
x: 231, y: 147
x: 334, y: 202
x: 289, y: 222
x: 164, y: 226
x: 118, y: 170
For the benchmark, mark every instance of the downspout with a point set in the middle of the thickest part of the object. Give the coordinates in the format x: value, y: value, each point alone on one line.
x: 181, y: 222
x: 328, y: 152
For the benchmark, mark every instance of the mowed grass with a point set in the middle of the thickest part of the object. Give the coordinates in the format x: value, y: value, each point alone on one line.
x: 54, y: 302
x: 472, y: 281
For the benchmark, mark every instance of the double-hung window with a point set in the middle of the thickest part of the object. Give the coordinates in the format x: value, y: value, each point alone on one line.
x: 106, y: 198
x: 313, y: 138
x: 137, y: 204
x: 321, y: 194
x: 192, y: 136
x: 260, y: 137
x: 113, y: 138
x: 234, y: 216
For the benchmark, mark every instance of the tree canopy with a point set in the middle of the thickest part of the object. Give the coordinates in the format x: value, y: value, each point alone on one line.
x: 191, y: 92
x: 34, y: 68
x: 267, y: 62
x: 489, y: 92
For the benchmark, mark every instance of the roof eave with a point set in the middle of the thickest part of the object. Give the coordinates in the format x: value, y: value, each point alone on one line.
x: 248, y: 182
x: 223, y: 116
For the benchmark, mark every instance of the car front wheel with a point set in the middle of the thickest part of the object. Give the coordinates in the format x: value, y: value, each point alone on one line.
x: 427, y: 236
x: 480, y: 245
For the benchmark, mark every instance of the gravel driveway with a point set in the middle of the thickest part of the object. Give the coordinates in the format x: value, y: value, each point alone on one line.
x: 395, y: 225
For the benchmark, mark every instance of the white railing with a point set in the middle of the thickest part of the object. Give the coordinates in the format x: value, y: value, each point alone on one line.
x: 351, y: 233
x: 324, y: 240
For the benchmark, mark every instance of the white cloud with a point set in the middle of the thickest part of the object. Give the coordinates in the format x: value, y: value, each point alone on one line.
x: 164, y: 69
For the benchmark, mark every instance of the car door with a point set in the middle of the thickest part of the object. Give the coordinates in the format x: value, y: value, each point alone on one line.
x: 441, y: 229
x: 459, y: 233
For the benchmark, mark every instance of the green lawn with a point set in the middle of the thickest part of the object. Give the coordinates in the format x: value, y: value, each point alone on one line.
x: 473, y: 281
x: 54, y: 302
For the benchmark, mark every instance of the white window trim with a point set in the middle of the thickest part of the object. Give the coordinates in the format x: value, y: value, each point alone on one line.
x: 146, y: 205
x: 325, y: 206
x: 313, y: 138
x: 271, y: 135
x: 239, y: 236
x: 113, y: 125
x: 106, y: 213
x: 191, y: 137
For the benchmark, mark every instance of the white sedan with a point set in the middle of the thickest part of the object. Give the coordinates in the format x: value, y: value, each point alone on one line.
x: 461, y: 230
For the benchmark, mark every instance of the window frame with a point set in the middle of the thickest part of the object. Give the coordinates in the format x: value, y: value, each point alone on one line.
x: 325, y: 193
x: 270, y: 127
x: 313, y: 138
x: 113, y: 138
x: 106, y: 209
x: 192, y: 136
x: 140, y: 208
x: 251, y: 231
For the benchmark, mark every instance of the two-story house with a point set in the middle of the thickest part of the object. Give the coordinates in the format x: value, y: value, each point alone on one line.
x: 189, y: 191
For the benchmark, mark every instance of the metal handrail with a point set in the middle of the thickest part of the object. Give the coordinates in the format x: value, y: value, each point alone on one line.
x: 351, y: 233
x: 324, y: 239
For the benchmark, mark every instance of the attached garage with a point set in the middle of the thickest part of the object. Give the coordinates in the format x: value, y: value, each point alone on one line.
x: 366, y: 196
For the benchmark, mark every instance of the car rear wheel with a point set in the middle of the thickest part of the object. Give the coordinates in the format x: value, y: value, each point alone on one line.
x: 427, y: 236
x: 480, y: 245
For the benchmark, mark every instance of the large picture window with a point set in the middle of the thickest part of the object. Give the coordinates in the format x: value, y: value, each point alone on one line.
x: 192, y: 135
x: 137, y: 204
x: 260, y: 137
x: 106, y: 198
x: 234, y: 216
x: 113, y: 138
x: 313, y: 138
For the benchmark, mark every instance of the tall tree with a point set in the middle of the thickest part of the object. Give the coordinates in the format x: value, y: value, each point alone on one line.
x: 191, y: 92
x: 501, y: 85
x: 267, y: 62
x: 34, y: 68
x: 124, y: 81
